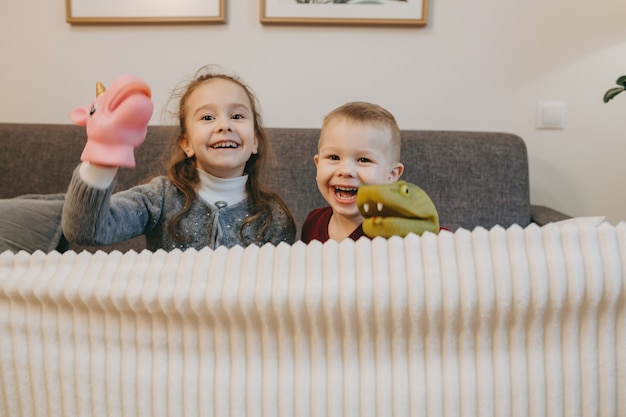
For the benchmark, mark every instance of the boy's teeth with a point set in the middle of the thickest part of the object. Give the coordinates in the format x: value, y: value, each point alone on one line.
x: 345, y: 192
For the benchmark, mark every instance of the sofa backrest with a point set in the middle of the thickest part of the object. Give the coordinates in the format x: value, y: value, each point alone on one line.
x: 40, y: 158
x: 474, y: 178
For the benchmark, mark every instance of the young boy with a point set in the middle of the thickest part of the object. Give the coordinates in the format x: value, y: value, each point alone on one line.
x: 359, y: 143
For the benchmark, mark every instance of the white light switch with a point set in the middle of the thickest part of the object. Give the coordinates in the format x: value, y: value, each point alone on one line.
x: 551, y: 115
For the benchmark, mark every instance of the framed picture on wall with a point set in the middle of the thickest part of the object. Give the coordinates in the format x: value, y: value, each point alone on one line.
x: 345, y: 12
x: 144, y: 11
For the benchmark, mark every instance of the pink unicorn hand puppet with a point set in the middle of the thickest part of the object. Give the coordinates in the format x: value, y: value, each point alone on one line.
x: 116, y: 121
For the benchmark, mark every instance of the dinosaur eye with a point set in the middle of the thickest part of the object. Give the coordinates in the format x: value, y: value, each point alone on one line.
x: 404, y: 190
x: 92, y: 110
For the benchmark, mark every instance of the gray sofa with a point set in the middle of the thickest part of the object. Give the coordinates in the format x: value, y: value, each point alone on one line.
x: 474, y: 178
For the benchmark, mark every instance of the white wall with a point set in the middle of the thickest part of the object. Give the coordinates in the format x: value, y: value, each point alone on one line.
x: 477, y: 65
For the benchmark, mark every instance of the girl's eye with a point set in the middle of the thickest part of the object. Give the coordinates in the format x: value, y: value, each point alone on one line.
x: 364, y: 160
x: 237, y: 116
x: 207, y: 117
x: 333, y: 158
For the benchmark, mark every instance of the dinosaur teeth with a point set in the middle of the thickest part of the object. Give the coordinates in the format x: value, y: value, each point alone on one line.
x: 379, y: 207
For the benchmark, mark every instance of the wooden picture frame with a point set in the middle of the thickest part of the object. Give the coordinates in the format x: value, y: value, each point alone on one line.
x: 144, y: 11
x: 345, y: 12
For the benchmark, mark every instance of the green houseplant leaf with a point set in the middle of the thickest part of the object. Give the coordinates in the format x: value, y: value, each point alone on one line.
x: 612, y: 92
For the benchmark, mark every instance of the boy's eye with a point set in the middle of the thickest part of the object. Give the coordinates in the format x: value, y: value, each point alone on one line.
x: 207, y: 117
x: 237, y: 116
x: 333, y: 158
x: 364, y: 160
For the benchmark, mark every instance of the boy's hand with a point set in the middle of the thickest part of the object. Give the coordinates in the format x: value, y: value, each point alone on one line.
x: 116, y: 121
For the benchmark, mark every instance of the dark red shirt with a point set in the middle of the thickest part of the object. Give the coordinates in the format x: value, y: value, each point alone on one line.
x: 315, y: 226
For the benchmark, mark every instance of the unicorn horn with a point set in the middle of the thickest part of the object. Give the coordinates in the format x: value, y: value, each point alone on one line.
x: 100, y: 89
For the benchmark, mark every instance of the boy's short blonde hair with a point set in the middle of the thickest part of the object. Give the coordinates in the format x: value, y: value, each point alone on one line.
x: 369, y: 114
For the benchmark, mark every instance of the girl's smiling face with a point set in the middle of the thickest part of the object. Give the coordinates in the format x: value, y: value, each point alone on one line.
x: 219, y: 126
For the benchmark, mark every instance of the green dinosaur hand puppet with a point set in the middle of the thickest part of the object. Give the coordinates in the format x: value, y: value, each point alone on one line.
x: 396, y: 209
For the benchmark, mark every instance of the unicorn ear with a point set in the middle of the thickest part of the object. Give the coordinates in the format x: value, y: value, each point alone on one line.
x: 99, y: 89
x: 79, y: 116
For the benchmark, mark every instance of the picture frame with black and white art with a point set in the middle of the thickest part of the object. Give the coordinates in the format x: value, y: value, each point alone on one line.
x: 345, y: 12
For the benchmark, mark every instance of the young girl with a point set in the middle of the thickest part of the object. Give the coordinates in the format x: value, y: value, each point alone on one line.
x: 211, y: 196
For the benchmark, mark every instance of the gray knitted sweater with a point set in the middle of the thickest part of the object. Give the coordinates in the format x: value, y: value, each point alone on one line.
x: 92, y: 216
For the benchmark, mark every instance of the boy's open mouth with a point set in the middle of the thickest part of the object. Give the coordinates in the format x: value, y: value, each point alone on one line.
x: 346, y: 193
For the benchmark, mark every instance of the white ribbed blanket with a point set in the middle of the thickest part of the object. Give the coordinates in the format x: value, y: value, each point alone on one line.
x: 517, y: 322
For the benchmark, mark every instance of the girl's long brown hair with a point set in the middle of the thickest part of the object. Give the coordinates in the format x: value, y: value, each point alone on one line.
x: 183, y: 173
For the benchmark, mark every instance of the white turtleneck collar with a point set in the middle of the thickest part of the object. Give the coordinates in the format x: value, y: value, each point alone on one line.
x: 221, y: 192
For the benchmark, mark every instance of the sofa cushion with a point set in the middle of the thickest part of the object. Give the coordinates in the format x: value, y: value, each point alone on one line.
x: 30, y: 223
